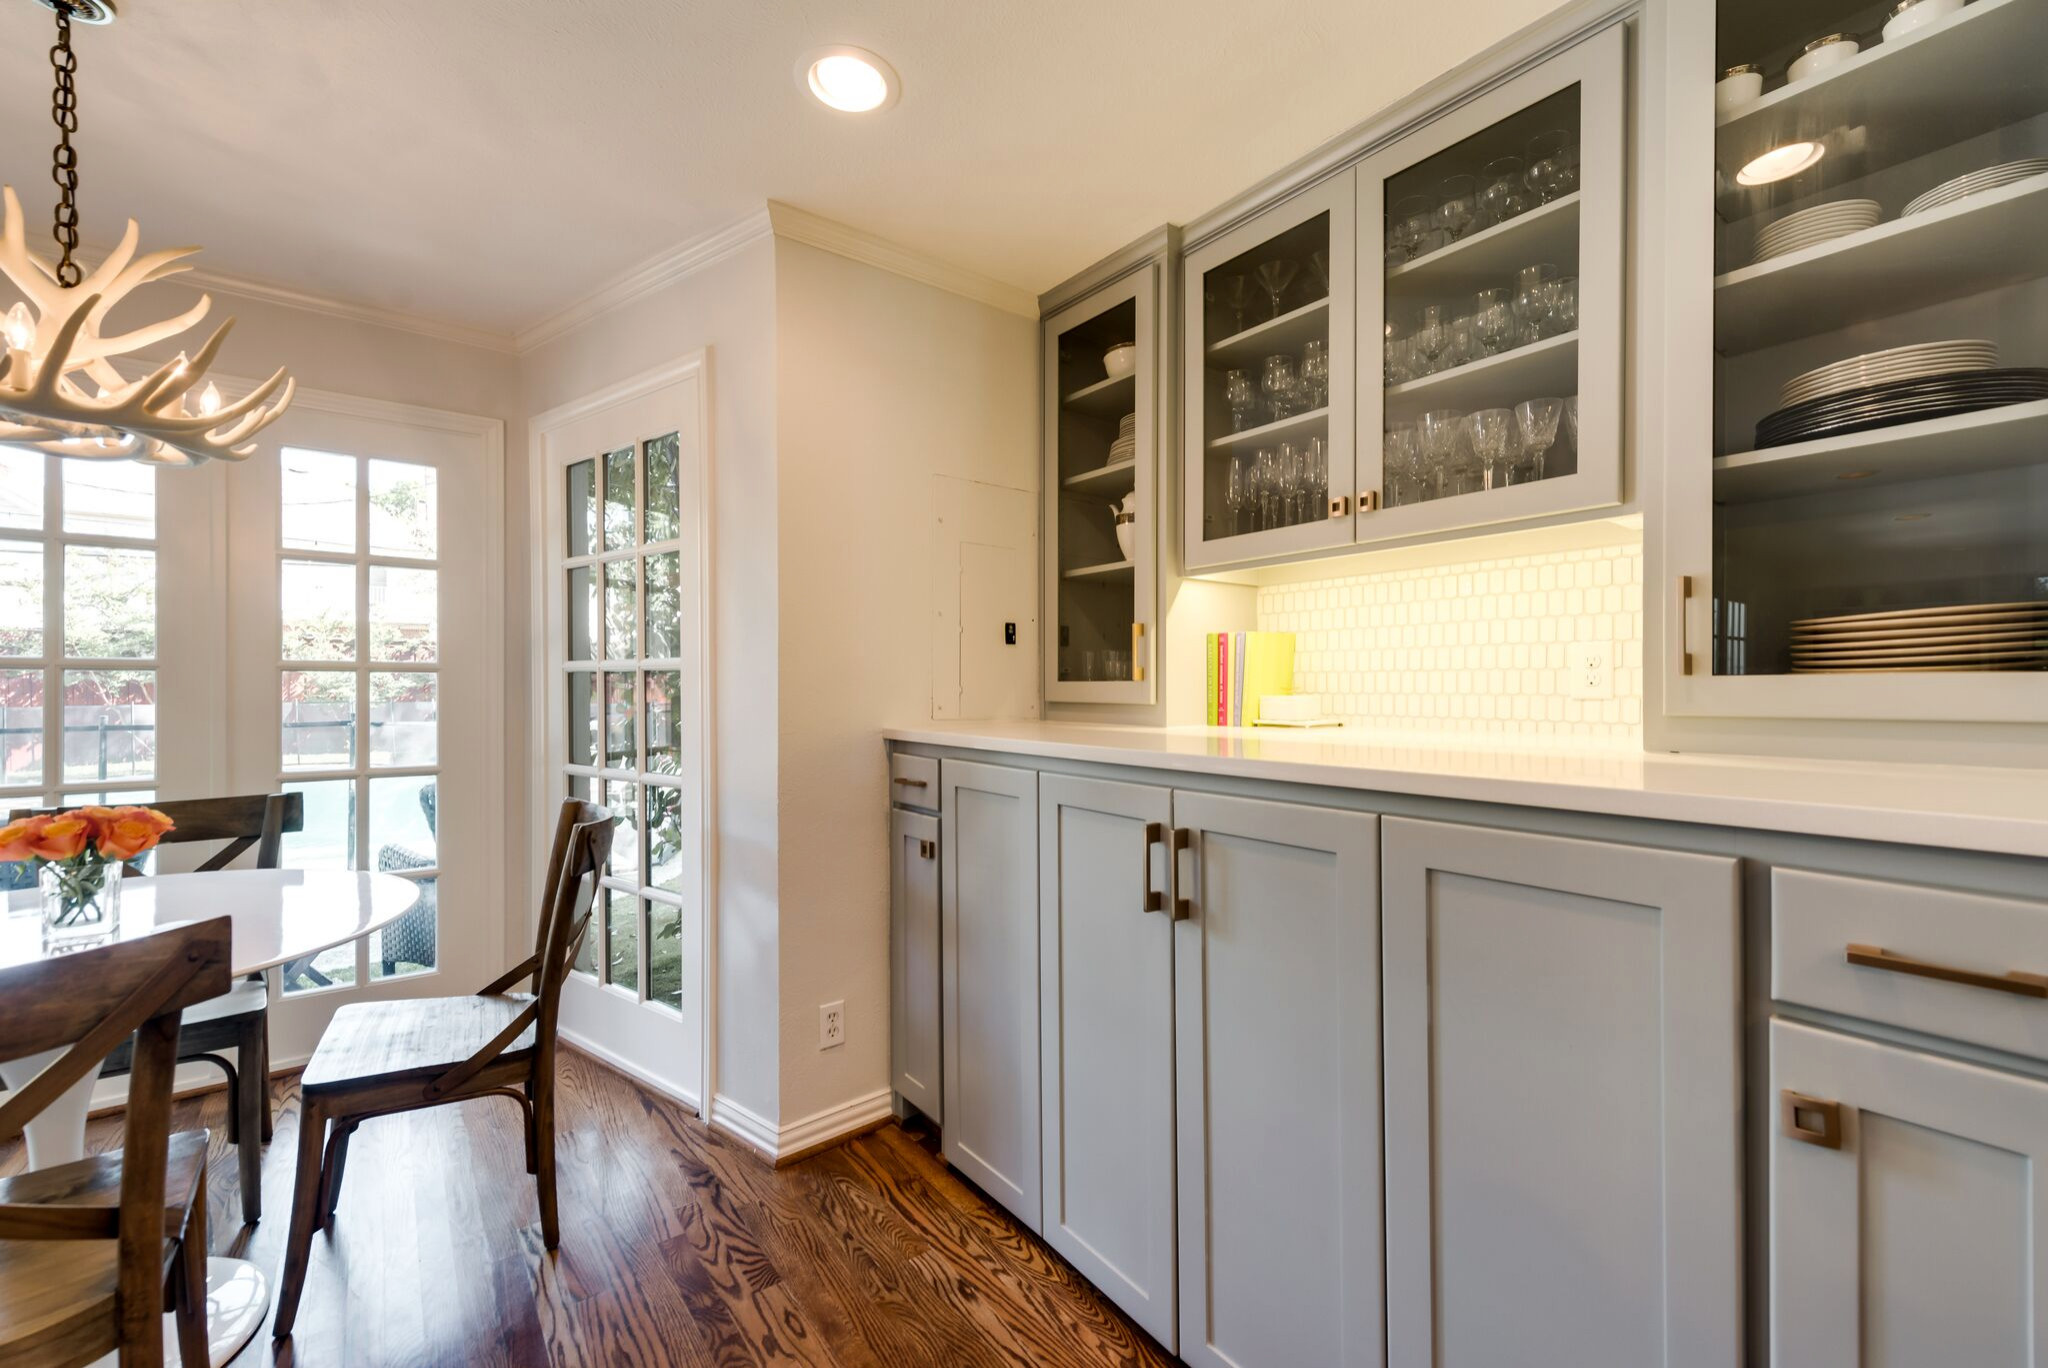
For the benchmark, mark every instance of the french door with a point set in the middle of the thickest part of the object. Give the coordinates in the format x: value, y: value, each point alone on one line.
x: 621, y: 554
x: 364, y: 594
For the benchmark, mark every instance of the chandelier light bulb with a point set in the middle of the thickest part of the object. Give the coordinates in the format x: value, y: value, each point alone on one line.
x: 19, y: 328
x: 209, y: 400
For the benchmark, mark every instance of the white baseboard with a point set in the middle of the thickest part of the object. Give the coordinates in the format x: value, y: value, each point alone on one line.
x: 778, y: 1142
x: 675, y: 1092
x: 745, y: 1124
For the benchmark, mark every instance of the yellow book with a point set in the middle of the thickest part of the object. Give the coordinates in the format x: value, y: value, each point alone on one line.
x: 1268, y: 669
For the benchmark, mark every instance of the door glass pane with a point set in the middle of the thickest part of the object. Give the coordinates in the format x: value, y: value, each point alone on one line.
x: 664, y: 496
x: 621, y: 608
x: 665, y: 864
x: 402, y: 614
x: 663, y: 690
x: 319, y: 726
x: 334, y: 967
x: 665, y: 954
x: 21, y: 599
x: 403, y: 720
x: 593, y: 937
x: 582, y: 508
x: 318, y: 603
x: 410, y: 944
x: 109, y: 603
x: 622, y: 926
x: 109, y: 724
x: 618, y: 722
x: 577, y: 786
x: 109, y: 498
x: 583, y: 717
x: 583, y: 614
x: 402, y: 820
x: 404, y: 505
x: 618, y: 499
x: 622, y: 800
x: 21, y: 488
x: 318, y: 493
x: 328, y: 838
x: 21, y: 726
x: 664, y: 605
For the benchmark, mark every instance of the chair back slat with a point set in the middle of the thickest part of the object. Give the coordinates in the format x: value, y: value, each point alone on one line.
x: 575, y: 812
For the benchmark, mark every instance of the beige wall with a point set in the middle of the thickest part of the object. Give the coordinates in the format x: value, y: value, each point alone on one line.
x: 728, y: 309
x: 885, y: 388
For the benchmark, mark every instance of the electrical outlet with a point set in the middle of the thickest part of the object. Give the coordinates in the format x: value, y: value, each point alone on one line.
x: 831, y: 1025
x: 1589, y: 669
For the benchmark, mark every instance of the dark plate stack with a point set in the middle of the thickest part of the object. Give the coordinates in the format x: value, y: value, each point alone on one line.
x: 1901, y: 401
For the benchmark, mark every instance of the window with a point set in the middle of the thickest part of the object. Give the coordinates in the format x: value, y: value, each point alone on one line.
x: 624, y: 571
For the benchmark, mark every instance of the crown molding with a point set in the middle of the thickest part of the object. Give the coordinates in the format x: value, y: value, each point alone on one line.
x: 799, y: 225
x: 664, y: 268
x: 242, y: 287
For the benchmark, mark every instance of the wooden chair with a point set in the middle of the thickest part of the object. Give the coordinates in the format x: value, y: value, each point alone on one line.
x: 378, y: 1058
x: 239, y: 1020
x: 89, y: 1251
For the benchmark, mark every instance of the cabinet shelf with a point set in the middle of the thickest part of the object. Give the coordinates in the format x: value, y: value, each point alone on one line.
x: 1274, y: 431
x: 1309, y: 323
x: 1487, y: 259
x: 1981, y: 243
x: 1989, y: 439
x: 1108, y: 570
x: 1968, y: 74
x: 1549, y: 368
x: 1111, y: 398
x: 1104, y: 478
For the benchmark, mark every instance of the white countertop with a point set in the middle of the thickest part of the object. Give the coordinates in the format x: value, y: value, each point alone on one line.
x: 1956, y: 807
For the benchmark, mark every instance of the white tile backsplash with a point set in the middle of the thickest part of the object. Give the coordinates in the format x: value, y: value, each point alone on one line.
x: 1471, y: 650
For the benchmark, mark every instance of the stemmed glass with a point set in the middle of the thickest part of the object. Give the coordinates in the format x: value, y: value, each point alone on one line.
x: 1233, y: 293
x: 1414, y: 219
x: 1242, y: 398
x: 1279, y: 383
x: 1319, y: 267
x: 1276, y: 275
x: 1505, y: 196
x: 1564, y: 305
x: 1441, y: 430
x: 1237, y: 493
x: 1431, y: 337
x: 1287, y: 463
x: 1399, y: 449
x: 1553, y: 168
x: 1316, y: 494
x: 1537, y: 419
x: 1533, y: 300
x: 1493, y: 317
x: 1488, y: 431
x: 1459, y: 206
x: 1315, y: 373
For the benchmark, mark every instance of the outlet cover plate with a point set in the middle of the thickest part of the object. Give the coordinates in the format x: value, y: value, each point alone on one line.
x: 831, y: 1024
x: 1589, y: 669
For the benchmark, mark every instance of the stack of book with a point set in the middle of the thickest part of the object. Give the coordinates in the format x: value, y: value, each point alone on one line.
x: 1244, y: 667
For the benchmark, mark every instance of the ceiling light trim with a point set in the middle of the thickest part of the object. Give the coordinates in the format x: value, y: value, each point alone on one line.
x: 799, y: 225
x: 665, y: 268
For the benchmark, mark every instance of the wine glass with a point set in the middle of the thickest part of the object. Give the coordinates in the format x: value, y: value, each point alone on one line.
x: 1319, y: 267
x: 1315, y: 373
x: 1487, y: 430
x: 1276, y: 275
x: 1537, y: 419
x: 1505, y: 196
x: 1459, y: 206
x: 1400, y: 448
x: 1441, y: 433
x: 1564, y: 305
x: 1414, y: 220
x: 1237, y: 489
x: 1279, y: 383
x: 1465, y: 347
x: 1317, y: 459
x: 1533, y: 301
x: 1233, y: 293
x: 1553, y: 167
x: 1431, y: 337
x: 1493, y: 318
x: 1287, y: 467
x: 1242, y: 398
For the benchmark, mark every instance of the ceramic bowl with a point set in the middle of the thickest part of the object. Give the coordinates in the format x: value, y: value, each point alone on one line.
x: 1737, y: 88
x: 1120, y: 360
x: 1910, y: 16
x: 1821, y: 54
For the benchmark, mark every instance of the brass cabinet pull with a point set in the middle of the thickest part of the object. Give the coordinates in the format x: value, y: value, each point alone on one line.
x: 2015, y: 981
x: 1685, y: 624
x: 913, y: 783
x: 926, y: 849
x: 1810, y: 1119
x: 1340, y: 505
x: 1137, y: 653
x: 1155, y: 901
x: 1368, y: 501
x: 1183, y: 908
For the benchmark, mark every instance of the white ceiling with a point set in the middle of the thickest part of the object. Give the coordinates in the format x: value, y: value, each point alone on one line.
x: 489, y: 162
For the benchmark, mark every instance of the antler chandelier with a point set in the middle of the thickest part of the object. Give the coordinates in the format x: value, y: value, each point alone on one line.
x: 60, y: 392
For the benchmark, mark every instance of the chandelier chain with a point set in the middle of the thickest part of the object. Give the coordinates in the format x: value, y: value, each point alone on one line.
x: 64, y: 159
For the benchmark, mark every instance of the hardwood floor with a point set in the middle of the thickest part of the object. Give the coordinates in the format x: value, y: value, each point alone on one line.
x: 678, y: 1247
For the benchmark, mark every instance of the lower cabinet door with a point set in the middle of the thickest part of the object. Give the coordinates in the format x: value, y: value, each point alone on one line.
x: 1562, y: 1096
x: 915, y: 1031
x: 1276, y: 978
x: 1909, y: 1207
x: 988, y: 865
x: 1106, y: 1013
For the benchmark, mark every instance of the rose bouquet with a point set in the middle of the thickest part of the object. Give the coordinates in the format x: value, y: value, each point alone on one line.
x: 78, y: 857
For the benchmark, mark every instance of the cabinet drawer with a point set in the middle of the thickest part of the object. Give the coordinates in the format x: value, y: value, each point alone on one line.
x: 914, y: 781
x: 1963, y: 966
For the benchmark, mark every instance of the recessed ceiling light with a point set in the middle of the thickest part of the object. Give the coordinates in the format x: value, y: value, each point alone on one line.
x: 849, y: 79
x: 1780, y: 162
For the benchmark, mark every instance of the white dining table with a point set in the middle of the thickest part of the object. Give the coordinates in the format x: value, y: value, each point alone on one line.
x: 275, y: 916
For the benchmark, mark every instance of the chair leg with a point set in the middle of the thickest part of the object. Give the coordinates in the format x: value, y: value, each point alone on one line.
x: 298, y: 1240
x: 544, y: 1156
x: 188, y: 1302
x: 331, y: 1171
x: 262, y: 1072
x: 250, y: 1095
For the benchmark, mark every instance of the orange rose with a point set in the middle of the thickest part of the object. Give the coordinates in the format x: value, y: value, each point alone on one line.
x: 62, y: 837
x: 126, y: 832
x: 17, y: 838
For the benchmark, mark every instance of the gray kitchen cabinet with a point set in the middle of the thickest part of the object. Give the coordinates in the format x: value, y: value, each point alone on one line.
x: 914, y: 942
x: 988, y: 865
x: 1563, y: 1151
x: 1276, y: 972
x: 1106, y: 1032
x: 1909, y: 1222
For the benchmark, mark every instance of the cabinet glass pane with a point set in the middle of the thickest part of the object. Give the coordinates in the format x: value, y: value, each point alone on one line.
x: 1098, y: 502
x: 1880, y: 338
x: 1479, y: 339
x: 1266, y: 385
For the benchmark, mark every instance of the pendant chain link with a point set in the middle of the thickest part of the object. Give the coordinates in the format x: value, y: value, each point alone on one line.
x: 64, y: 160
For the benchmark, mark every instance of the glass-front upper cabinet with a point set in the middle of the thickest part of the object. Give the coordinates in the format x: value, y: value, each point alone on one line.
x: 1270, y: 339
x: 1490, y: 257
x: 1868, y: 537
x: 1101, y: 498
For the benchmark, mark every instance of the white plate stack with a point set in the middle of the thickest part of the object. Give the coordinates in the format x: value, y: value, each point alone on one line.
x: 1125, y: 448
x: 1976, y: 183
x: 1898, y: 363
x: 1947, y: 640
x: 1795, y: 232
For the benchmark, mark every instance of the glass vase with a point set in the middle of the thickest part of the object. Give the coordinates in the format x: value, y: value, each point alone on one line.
x: 81, y: 905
